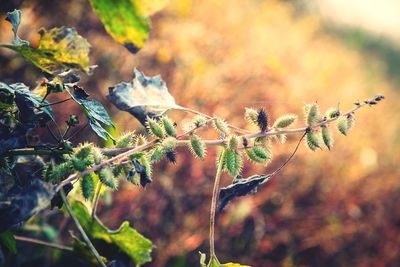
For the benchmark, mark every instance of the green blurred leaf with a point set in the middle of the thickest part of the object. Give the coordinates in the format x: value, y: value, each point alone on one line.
x: 144, y: 96
x: 214, y: 262
x: 136, y: 246
x: 126, y: 20
x: 81, y: 249
x: 7, y: 239
x: 60, y: 49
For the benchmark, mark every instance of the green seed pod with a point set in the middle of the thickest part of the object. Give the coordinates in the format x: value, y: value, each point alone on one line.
x: 327, y: 136
x: 155, y: 128
x: 125, y: 139
x: 78, y: 164
x: 140, y: 140
x: 60, y: 171
x: 281, y: 138
x: 332, y: 113
x: 146, y: 163
x: 342, y: 125
x: 87, y: 186
x: 311, y: 112
x: 117, y: 170
x: 221, y: 126
x: 197, y: 146
x: 97, y: 155
x: 220, y: 159
x: 83, y: 150
x: 157, y: 153
x: 350, y: 121
x: 233, y: 142
x: 107, y: 178
x: 312, y: 141
x: 169, y: 143
x: 251, y: 115
x: 285, y: 120
x: 233, y: 162
x: 168, y: 126
x: 199, y: 121
x: 258, y: 154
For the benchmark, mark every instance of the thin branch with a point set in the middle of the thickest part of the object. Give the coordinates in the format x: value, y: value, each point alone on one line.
x: 214, y: 200
x: 52, y: 133
x: 78, y: 131
x: 123, y: 153
x: 54, y: 103
x: 80, y: 229
x: 34, y: 151
x: 96, y: 200
x: 42, y: 243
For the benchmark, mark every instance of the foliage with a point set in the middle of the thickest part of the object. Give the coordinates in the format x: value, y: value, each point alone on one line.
x: 132, y: 156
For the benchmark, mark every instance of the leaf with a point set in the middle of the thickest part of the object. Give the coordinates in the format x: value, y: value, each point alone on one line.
x: 145, y: 96
x: 94, y: 111
x: 82, y: 250
x: 240, y: 187
x: 126, y: 20
x: 7, y: 240
x: 214, y: 263
x: 137, y: 247
x: 19, y: 204
x: 59, y: 50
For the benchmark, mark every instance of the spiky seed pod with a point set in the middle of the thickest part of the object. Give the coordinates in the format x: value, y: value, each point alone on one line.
x: 199, y: 121
x: 266, y: 143
x: 97, y: 155
x: 221, y: 126
x: 171, y: 156
x: 258, y: 154
x: 342, y: 125
x: 146, y: 163
x: 285, y: 120
x: 83, y: 150
x: 251, y: 115
x: 233, y: 162
x: 332, y: 113
x: 140, y: 140
x: 262, y: 120
x: 350, y: 121
x: 327, y: 136
x: 220, y: 159
x: 281, y: 138
x: 312, y: 140
x: 155, y: 128
x: 117, y: 170
x: 157, y: 153
x: 233, y: 142
x: 60, y: 171
x: 125, y: 139
x: 311, y: 113
x: 197, y: 146
x: 107, y: 178
x: 169, y: 143
x: 168, y: 126
x: 87, y: 186
x: 78, y: 164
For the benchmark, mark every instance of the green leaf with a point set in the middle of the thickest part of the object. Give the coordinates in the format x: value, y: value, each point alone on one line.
x: 144, y: 97
x: 240, y: 187
x: 137, y: 247
x: 214, y: 262
x: 59, y: 50
x: 126, y: 20
x: 7, y: 240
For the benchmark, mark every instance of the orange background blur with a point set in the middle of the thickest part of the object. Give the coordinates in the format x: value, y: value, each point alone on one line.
x: 327, y: 208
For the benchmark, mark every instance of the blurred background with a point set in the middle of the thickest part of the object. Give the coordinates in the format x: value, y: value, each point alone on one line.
x: 327, y: 208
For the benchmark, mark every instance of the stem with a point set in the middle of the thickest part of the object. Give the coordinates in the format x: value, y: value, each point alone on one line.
x: 214, y: 200
x: 41, y: 242
x: 78, y: 131
x: 66, y: 132
x: 96, y: 200
x: 54, y: 103
x: 80, y: 229
x: 33, y: 151
x: 52, y: 133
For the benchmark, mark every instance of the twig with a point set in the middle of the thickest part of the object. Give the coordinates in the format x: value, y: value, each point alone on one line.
x: 214, y: 200
x: 78, y: 131
x: 80, y: 229
x: 96, y: 200
x: 126, y: 152
x: 54, y: 103
x: 52, y: 133
x: 41, y: 242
